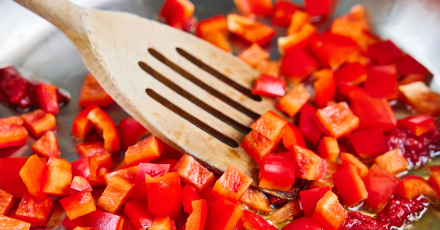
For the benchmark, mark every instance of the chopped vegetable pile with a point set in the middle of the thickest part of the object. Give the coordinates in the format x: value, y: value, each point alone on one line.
x: 345, y: 151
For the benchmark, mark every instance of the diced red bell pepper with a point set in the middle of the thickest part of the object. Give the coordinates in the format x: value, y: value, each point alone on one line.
x: 197, y: 219
x: 218, y: 39
x: 434, y: 180
x: 249, y: 30
x: 153, y: 170
x: 372, y: 112
x: 98, y: 219
x: 47, y: 98
x: 288, y: 212
x: 162, y: 223
x: 347, y: 90
x: 38, y: 122
x: 138, y: 213
x: 93, y: 93
x: 80, y: 184
x: 350, y: 185
x: 57, y: 177
x: 381, y: 82
x: 380, y: 186
x: 256, y: 201
x: 130, y: 132
x: 12, y: 132
x: 417, y: 124
x: 176, y: 12
x: 254, y: 55
x: 407, y: 65
x: 164, y: 195
x: 336, y: 120
x: 308, y: 165
x: 413, y: 186
x: 368, y: 142
x: 269, y: 86
x: 78, y: 204
x: 144, y: 151
x: 421, y: 98
x: 81, y: 168
x: 384, y: 52
x: 271, y: 68
x: 299, y: 20
x: 318, y: 7
x: 11, y: 223
x: 105, y: 126
x: 270, y: 125
x: 292, y: 136
x: 210, y: 199
x: 11, y: 182
x: 299, y: 39
x: 255, y: 7
x: 128, y: 173
x: 90, y: 149
x: 47, y: 146
x: 307, y: 125
x: 353, y: 73
x: 309, y: 199
x: 294, y: 100
x: 99, y: 165
x: 6, y: 202
x: 304, y: 223
x: 231, y: 185
x: 393, y: 161
x: 223, y: 216
x: 258, y: 146
x: 329, y: 212
x: 81, y: 126
x: 349, y: 159
x: 34, y: 210
x: 277, y: 172
x: 325, y: 87
x: 193, y: 173
x: 283, y: 12
x: 189, y: 194
x: 253, y: 221
x: 115, y: 194
x: 32, y: 174
x: 326, y: 180
x: 211, y: 25
x: 298, y: 64
x: 328, y: 148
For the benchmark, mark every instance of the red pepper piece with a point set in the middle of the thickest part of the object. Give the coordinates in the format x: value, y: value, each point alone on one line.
x: 231, y: 185
x: 325, y: 87
x: 99, y: 166
x: 277, y: 172
x: 298, y: 64
x: 162, y: 223
x: 417, y: 124
x: 258, y: 146
x: 421, y: 98
x: 294, y: 100
x: 253, y: 55
x: 336, y: 120
x: 353, y: 73
x: 253, y: 221
x: 210, y: 199
x: 434, y: 180
x: 153, y: 170
x: 105, y: 126
x: 368, y: 142
x: 11, y: 182
x: 347, y: 90
x: 130, y: 132
x: 326, y: 180
x: 283, y: 12
x: 12, y: 134
x: 223, y: 216
x: 47, y: 146
x: 34, y: 210
x: 78, y: 204
x: 164, y: 195
x: 218, y: 39
x: 138, y: 214
x: 57, y: 177
x: 349, y: 159
x: 329, y: 212
x: 292, y: 136
x: 81, y: 168
x: 380, y: 186
x: 328, y: 148
x: 287, y: 213
x: 299, y: 20
x: 197, y: 219
x: 304, y: 223
x: 90, y: 149
x: 411, y: 79
x: 413, y: 186
x: 308, y: 165
x: 318, y: 7
x: 269, y: 86
x: 32, y: 174
x: 300, y: 35
x: 81, y: 126
x: 47, y: 98
x: 256, y: 201
x: 6, y: 202
x: 270, y: 125
x: 393, y: 161
x: 407, y: 65
x: 193, y: 173
x: 189, y: 194
x: 350, y: 185
x: 176, y: 12
x: 38, y: 122
x: 249, y: 30
x: 309, y: 199
x: 98, y: 219
x: 127, y: 223
x: 381, y: 82
x: 211, y: 25
x: 384, y: 52
x: 253, y: 7
x: 115, y: 194
x: 307, y: 125
x: 11, y: 223
x: 271, y: 68
x: 93, y: 93
x: 80, y: 184
x: 144, y: 151
x: 128, y: 173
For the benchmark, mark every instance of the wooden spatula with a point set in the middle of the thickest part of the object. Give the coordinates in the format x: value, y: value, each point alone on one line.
x: 189, y: 93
